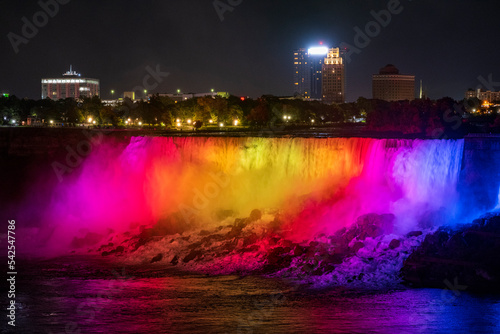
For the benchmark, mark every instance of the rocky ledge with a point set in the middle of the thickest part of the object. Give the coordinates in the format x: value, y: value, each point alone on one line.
x: 467, y: 258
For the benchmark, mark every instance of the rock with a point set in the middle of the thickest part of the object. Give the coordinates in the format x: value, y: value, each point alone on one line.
x: 328, y: 268
x: 120, y: 249
x: 241, y: 223
x: 141, y: 242
x: 298, y: 250
x: 157, y: 258
x: 252, y: 248
x: 175, y: 260
x: 468, y: 257
x: 235, y: 231
x: 230, y: 245
x: 333, y: 259
x: 251, y: 239
x: 194, y: 245
x: 275, y: 225
x: 191, y: 256
x: 395, y: 243
x: 371, y: 231
x: 204, y: 233
x: 287, y: 243
x: 357, y: 246
x: 414, y: 234
x: 313, y: 244
x: 384, y: 222
x: 216, y: 237
x: 255, y: 215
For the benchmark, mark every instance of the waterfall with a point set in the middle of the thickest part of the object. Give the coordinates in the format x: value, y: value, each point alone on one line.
x: 317, y: 185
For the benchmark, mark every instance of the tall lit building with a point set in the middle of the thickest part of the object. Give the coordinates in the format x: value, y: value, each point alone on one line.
x: 301, y: 73
x: 333, y: 77
x: 389, y: 85
x: 308, y: 72
x: 70, y: 85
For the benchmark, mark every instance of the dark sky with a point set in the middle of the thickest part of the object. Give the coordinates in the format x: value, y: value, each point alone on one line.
x: 448, y: 44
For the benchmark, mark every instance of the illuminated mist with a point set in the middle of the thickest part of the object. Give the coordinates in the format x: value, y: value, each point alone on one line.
x: 316, y: 185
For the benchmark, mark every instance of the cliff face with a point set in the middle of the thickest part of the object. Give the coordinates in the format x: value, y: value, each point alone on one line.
x: 480, y: 176
x: 36, y: 142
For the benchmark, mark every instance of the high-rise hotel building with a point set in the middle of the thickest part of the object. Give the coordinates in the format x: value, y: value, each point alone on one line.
x: 70, y: 85
x: 389, y: 85
x: 333, y: 74
x: 309, y: 76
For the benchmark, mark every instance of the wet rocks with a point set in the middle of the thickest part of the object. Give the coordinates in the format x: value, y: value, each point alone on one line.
x: 254, y: 215
x: 395, y: 243
x: 298, y: 250
x: 119, y: 249
x: 470, y: 255
x: 414, y: 234
x: 357, y: 246
x: 157, y: 258
x: 192, y: 255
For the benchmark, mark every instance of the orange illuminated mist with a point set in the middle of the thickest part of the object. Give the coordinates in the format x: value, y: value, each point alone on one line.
x: 314, y: 185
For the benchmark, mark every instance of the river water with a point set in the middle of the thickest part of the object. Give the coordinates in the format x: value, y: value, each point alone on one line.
x: 89, y: 295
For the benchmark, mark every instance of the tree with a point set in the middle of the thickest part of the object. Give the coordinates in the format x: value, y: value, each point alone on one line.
x: 260, y: 115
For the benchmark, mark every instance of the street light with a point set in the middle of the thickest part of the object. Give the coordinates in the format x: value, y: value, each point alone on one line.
x: 178, y: 91
x: 221, y: 124
x: 210, y: 121
x: 51, y: 122
x: 90, y: 119
x: 189, y: 121
x: 235, y: 122
x: 112, y: 94
x: 312, y: 120
x: 140, y: 123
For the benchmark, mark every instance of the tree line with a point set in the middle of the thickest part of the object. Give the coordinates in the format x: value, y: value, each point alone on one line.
x: 426, y: 116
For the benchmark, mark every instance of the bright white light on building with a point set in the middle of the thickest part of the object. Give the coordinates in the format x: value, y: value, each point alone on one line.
x: 320, y: 50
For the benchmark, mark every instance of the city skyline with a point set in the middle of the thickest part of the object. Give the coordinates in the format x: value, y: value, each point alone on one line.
x: 247, y: 52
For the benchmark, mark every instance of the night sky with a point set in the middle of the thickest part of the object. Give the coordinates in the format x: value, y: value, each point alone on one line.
x: 447, y: 44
